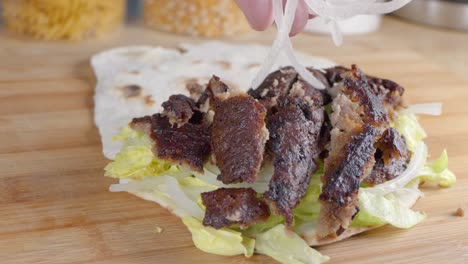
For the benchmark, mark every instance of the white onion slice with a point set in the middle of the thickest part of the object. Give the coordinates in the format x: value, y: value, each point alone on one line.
x: 336, y: 33
x: 415, y: 165
x: 282, y: 41
x: 281, y: 34
x: 165, y: 184
x: 147, y: 184
x: 330, y: 10
x: 338, y: 10
x: 333, y: 10
x: 434, y: 109
x: 181, y: 199
x: 301, y: 70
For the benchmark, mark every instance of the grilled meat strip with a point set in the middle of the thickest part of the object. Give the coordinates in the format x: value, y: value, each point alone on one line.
x: 179, y: 109
x: 238, y: 138
x: 275, y: 85
x: 229, y: 206
x: 391, y: 156
x: 216, y: 90
x: 313, y: 96
x: 388, y: 91
x: 358, y: 121
x: 339, y: 197
x: 294, y: 146
x: 286, y: 81
x: 188, y: 145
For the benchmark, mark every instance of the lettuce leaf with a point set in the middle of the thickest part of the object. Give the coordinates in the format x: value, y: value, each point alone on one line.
x: 182, y: 196
x: 409, y: 127
x: 377, y: 210
x: 437, y: 172
x: 219, y: 241
x: 272, y: 221
x: 287, y: 247
x: 309, y: 207
x: 136, y: 159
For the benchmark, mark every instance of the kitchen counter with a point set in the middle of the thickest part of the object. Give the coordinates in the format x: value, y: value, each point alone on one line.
x: 54, y: 203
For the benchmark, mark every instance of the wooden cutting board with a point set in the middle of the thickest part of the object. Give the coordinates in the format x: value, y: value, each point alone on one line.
x: 54, y: 203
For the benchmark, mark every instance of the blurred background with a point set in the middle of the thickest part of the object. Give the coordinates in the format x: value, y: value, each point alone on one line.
x: 83, y: 19
x: 435, y: 28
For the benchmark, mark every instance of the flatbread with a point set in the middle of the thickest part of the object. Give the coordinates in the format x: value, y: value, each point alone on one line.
x: 134, y: 81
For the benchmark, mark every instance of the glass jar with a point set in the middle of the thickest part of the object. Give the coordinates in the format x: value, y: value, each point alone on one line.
x: 208, y: 18
x: 63, y: 19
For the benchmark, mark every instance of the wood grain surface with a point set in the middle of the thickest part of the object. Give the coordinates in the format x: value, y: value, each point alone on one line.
x: 54, y: 203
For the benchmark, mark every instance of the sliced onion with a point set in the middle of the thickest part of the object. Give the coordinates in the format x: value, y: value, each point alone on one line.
x: 165, y: 184
x: 146, y: 184
x: 282, y: 41
x: 338, y: 10
x: 415, y: 165
x: 333, y: 10
x: 281, y: 34
x: 301, y: 70
x: 434, y: 109
x: 181, y: 199
x: 336, y: 33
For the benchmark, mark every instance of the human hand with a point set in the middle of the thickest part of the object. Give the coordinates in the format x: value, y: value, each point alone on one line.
x: 259, y: 13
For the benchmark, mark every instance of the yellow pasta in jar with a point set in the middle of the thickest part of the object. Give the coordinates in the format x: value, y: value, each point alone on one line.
x: 62, y: 19
x: 208, y: 18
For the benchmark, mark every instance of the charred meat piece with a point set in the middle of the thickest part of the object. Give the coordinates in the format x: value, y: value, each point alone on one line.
x: 392, y: 156
x: 293, y: 144
x: 195, y: 89
x: 179, y: 109
x: 334, y: 74
x: 356, y: 87
x: 188, y: 145
x: 388, y: 91
x: 320, y: 75
x: 313, y: 96
x: 358, y: 119
x: 216, y: 90
x: 286, y: 81
x: 275, y: 85
x: 315, y: 99
x: 233, y: 206
x: 238, y: 138
x: 339, y: 197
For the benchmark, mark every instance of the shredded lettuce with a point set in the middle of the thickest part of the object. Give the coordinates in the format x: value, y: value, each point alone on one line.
x: 272, y: 221
x: 409, y: 127
x: 287, y: 247
x: 136, y: 159
x: 437, y: 172
x: 378, y: 209
x: 309, y: 207
x: 180, y: 191
x: 222, y: 241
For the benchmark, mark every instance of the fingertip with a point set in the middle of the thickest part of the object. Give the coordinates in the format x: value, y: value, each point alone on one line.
x: 300, y: 19
x: 259, y: 13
